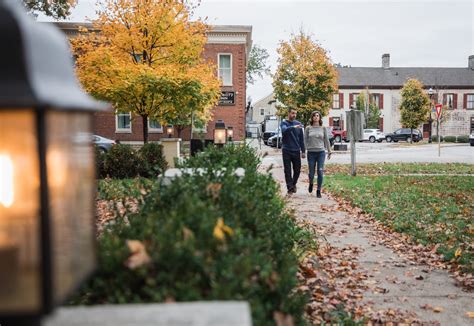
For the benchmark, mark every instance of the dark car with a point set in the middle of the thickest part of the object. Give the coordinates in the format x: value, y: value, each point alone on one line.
x: 104, y: 144
x: 404, y: 134
x: 267, y: 135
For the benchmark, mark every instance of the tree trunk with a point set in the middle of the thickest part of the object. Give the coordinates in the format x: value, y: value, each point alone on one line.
x: 145, y: 128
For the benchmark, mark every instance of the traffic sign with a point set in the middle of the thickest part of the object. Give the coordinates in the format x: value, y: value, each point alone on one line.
x: 439, y: 109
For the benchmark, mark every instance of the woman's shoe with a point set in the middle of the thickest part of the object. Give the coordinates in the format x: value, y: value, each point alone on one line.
x: 310, y: 188
x: 318, y: 193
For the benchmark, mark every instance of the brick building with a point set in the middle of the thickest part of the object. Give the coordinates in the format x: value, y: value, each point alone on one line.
x: 228, y: 46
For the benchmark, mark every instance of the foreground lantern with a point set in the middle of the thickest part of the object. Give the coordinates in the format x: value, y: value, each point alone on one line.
x: 47, y: 173
x: 219, y: 133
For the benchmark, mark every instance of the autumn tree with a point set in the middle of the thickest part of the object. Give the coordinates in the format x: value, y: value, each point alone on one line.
x: 305, y: 78
x: 58, y: 9
x: 415, y: 105
x: 146, y: 59
x: 257, y: 64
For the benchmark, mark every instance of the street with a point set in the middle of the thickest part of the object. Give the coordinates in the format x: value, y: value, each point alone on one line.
x: 401, y: 152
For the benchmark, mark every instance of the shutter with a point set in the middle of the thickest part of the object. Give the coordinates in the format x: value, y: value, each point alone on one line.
x: 381, y: 124
x: 381, y: 102
x: 330, y: 121
x: 465, y: 101
x: 351, y: 99
x: 341, y: 123
x: 341, y: 100
x: 445, y: 99
x: 455, y: 101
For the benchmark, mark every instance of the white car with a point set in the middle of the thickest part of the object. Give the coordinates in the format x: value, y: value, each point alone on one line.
x: 471, y: 139
x: 374, y: 135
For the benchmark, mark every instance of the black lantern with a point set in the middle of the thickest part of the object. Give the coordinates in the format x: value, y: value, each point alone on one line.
x: 220, y: 133
x: 47, y: 170
x: 169, y: 131
x: 230, y: 133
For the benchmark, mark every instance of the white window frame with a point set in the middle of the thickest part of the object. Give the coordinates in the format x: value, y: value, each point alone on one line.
x: 219, y: 68
x: 262, y: 111
x: 154, y: 130
x: 123, y: 130
x: 335, y: 99
x: 449, y: 95
x: 467, y: 102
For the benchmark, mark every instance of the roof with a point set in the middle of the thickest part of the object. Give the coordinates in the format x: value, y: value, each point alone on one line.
x: 395, y: 77
x: 264, y: 101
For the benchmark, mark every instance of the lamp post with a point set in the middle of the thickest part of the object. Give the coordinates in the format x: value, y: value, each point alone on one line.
x: 169, y: 131
x: 220, y: 133
x: 47, y: 174
x: 430, y: 121
x: 230, y: 133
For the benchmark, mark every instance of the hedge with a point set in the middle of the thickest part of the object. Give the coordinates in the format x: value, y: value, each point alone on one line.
x: 209, y: 237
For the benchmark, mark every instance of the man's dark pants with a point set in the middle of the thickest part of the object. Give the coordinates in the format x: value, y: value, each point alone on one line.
x: 291, y: 158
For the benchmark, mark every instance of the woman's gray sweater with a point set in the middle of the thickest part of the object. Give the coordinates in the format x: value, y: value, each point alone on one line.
x: 316, y: 139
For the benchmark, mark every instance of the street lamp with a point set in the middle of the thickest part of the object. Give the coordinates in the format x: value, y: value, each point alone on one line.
x: 169, y: 131
x: 219, y: 133
x: 47, y: 170
x: 230, y: 133
x: 430, y: 93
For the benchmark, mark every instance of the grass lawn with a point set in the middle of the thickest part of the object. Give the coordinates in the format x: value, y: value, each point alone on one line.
x: 431, y: 209
x: 401, y: 168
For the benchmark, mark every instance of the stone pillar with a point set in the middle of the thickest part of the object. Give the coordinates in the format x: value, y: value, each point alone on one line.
x: 171, y: 150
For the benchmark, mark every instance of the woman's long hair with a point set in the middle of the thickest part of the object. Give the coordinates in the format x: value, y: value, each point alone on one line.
x: 320, y: 118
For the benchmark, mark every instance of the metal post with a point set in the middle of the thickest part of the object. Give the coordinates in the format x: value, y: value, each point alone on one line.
x: 439, y: 141
x: 353, y: 157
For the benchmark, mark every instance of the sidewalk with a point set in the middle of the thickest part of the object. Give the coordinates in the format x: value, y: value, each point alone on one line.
x: 394, y: 285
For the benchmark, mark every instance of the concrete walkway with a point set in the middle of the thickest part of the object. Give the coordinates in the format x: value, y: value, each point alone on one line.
x: 394, y: 281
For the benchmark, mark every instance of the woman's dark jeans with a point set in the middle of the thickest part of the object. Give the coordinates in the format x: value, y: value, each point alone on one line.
x: 313, y: 158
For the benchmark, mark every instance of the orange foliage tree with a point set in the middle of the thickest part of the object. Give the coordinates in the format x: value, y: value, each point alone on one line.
x: 305, y: 78
x: 146, y: 59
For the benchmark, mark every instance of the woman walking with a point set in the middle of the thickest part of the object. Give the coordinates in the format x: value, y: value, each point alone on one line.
x: 316, y: 142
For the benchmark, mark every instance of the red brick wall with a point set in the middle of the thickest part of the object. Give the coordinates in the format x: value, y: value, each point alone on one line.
x: 104, y: 124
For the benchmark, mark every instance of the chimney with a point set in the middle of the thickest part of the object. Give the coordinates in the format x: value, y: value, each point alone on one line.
x: 386, y: 61
x: 471, y: 62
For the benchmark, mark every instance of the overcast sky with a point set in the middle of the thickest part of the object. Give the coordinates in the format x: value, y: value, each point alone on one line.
x: 419, y: 33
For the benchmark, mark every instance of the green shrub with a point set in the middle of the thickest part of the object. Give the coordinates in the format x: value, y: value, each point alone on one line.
x: 435, y: 138
x: 122, y: 162
x: 230, y: 156
x: 152, y: 160
x: 462, y: 139
x: 253, y: 258
x: 450, y: 139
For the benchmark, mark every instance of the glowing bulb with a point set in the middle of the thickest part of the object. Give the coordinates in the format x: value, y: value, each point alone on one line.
x: 6, y: 181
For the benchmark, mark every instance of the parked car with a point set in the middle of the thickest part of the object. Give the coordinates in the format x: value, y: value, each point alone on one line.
x: 267, y: 135
x: 404, y: 134
x: 373, y: 135
x: 104, y: 144
x: 471, y: 139
x: 339, y: 135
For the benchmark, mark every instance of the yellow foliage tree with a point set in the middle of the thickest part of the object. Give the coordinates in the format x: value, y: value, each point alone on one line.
x: 305, y: 78
x: 146, y: 59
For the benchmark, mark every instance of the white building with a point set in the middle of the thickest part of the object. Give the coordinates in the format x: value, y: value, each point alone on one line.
x: 262, y: 109
x: 454, y: 87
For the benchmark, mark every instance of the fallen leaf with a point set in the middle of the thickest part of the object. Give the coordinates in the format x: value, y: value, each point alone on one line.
x: 470, y: 314
x: 438, y: 309
x: 138, y: 255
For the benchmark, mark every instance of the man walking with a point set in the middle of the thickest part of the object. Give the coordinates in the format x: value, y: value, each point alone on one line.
x: 292, y: 148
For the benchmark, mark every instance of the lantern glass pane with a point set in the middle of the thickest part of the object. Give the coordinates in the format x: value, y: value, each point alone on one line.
x: 19, y: 213
x: 219, y: 136
x: 71, y: 184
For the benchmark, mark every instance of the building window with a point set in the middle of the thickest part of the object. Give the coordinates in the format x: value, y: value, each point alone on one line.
x: 154, y: 126
x: 123, y: 122
x: 375, y: 100
x: 353, y: 99
x: 470, y: 101
x: 225, y: 69
x: 335, y: 101
x: 262, y: 111
x: 336, y: 123
x: 448, y: 100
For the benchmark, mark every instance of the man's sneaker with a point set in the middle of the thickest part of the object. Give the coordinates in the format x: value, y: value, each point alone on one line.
x: 310, y: 188
x: 318, y: 193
